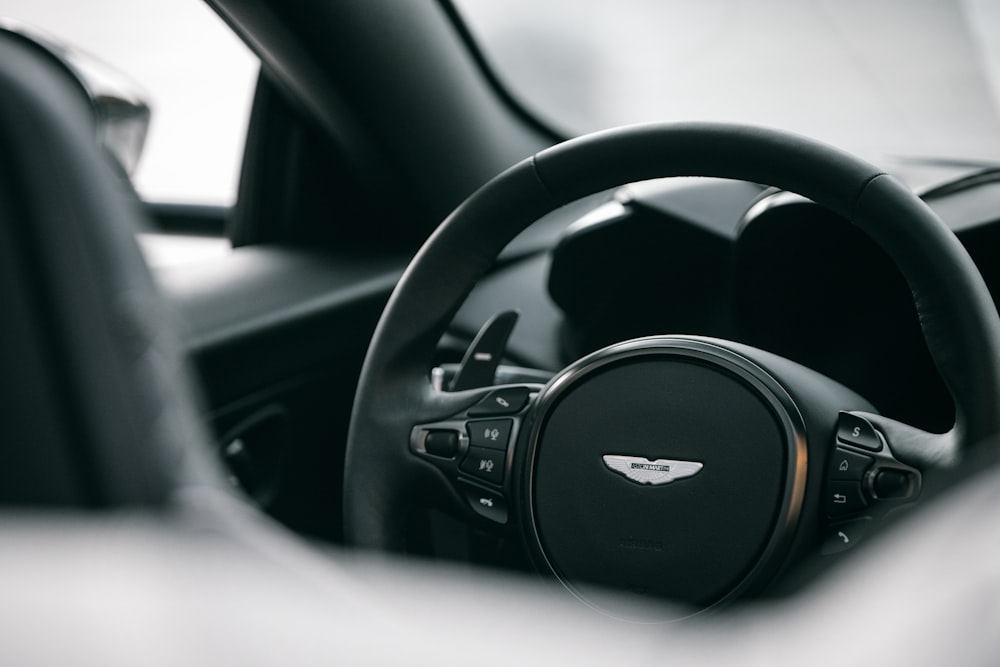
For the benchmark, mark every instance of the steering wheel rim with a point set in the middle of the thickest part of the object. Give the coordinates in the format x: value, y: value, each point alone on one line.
x: 956, y: 312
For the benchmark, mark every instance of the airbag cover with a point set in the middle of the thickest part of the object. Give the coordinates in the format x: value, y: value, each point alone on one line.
x: 694, y: 539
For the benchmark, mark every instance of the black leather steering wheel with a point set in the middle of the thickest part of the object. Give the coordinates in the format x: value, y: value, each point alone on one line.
x: 765, y: 430
x: 168, y: 541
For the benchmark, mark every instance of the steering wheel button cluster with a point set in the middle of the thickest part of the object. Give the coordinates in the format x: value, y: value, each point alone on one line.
x: 501, y: 402
x: 844, y: 498
x: 490, y: 433
x: 848, y: 465
x: 858, y: 432
x: 485, y: 464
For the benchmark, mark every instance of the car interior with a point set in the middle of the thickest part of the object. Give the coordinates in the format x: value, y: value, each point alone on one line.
x: 682, y: 393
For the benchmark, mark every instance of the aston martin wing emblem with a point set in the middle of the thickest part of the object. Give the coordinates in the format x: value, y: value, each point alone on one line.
x: 643, y: 471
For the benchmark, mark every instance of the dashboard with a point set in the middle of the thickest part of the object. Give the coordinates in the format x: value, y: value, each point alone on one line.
x: 737, y: 261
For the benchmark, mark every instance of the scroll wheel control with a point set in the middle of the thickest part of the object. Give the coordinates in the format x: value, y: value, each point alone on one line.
x: 442, y: 443
x: 889, y: 483
x: 479, y: 367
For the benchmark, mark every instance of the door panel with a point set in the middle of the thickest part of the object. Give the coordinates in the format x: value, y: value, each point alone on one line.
x: 278, y: 337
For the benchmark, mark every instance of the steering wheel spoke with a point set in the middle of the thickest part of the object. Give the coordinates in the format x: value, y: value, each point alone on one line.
x: 915, y: 446
x: 474, y: 446
x: 869, y: 475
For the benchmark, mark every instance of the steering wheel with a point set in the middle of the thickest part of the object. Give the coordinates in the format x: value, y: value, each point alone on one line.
x: 678, y: 466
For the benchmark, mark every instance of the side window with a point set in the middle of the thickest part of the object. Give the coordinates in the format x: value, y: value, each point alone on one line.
x: 197, y: 75
x: 198, y: 79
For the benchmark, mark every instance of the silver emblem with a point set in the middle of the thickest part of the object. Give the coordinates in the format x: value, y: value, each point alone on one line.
x: 643, y: 471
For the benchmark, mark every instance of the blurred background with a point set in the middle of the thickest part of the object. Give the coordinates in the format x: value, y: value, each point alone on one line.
x: 877, y: 77
x: 918, y: 78
x: 198, y: 79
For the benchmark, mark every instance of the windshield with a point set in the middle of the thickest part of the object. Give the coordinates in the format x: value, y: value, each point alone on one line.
x: 877, y: 77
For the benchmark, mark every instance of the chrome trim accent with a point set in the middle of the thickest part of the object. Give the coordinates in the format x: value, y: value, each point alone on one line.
x: 641, y: 470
